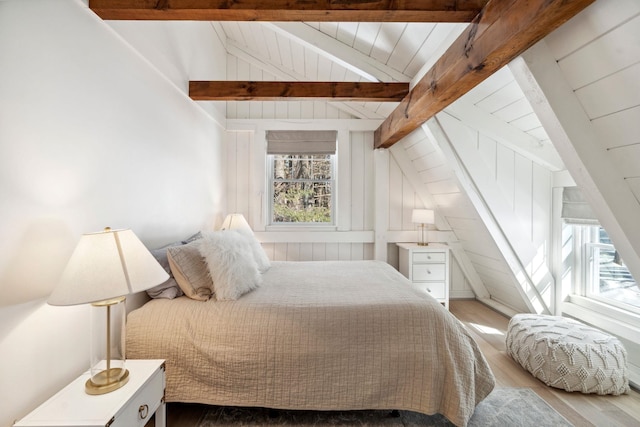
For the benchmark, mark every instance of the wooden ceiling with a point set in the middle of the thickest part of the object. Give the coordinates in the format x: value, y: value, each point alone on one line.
x: 498, y: 32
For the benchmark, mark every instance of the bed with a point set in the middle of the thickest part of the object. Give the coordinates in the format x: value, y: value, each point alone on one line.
x: 324, y: 335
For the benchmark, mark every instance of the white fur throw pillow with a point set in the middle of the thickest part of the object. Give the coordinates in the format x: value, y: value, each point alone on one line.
x: 258, y: 252
x: 232, y: 267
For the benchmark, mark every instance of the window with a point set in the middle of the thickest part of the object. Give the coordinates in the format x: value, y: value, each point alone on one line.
x: 301, y: 177
x: 602, y: 275
x: 606, y: 276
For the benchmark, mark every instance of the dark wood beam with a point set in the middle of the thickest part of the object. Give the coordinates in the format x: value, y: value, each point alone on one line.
x: 290, y: 10
x: 274, y: 91
x: 502, y: 31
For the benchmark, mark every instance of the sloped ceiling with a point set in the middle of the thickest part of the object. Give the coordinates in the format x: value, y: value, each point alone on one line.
x: 361, y: 51
x: 342, y: 52
x: 499, y: 31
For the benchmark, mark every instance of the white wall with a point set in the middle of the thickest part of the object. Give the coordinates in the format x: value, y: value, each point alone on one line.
x: 516, y: 191
x: 181, y: 51
x: 375, y: 198
x: 423, y: 161
x: 91, y: 135
x: 246, y: 186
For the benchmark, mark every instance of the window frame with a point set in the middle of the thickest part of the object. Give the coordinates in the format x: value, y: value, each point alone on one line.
x: 270, y: 168
x: 586, y: 243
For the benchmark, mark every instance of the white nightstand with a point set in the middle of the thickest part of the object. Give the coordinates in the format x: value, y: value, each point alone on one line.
x: 129, y: 406
x: 428, y: 268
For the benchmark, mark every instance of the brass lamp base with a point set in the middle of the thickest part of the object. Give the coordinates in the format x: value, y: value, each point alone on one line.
x: 106, y: 381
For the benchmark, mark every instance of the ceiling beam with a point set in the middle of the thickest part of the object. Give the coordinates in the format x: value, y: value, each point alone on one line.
x: 502, y: 31
x: 290, y: 10
x: 293, y: 90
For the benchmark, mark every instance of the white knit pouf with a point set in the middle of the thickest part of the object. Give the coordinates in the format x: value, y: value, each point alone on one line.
x: 564, y: 353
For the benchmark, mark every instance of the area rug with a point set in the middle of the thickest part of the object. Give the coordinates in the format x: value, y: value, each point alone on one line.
x: 513, y: 407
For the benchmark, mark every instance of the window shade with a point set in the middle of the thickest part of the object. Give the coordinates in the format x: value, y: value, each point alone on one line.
x: 301, y: 141
x: 575, y: 209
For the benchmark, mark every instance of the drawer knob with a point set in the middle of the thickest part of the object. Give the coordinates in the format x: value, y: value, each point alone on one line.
x: 143, y: 411
x: 429, y: 290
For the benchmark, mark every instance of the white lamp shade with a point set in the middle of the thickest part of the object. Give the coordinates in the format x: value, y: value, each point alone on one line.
x: 236, y: 221
x: 105, y: 265
x: 423, y: 216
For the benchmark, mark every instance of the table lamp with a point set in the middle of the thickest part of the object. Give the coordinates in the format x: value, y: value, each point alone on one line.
x: 236, y: 221
x: 422, y: 217
x: 104, y: 268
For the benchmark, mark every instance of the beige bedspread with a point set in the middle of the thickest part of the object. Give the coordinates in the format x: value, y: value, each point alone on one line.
x: 316, y: 335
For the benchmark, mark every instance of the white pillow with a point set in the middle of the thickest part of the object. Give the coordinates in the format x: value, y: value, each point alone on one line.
x: 258, y: 252
x: 231, y: 264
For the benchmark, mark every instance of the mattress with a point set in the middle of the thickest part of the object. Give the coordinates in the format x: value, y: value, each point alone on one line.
x: 334, y: 335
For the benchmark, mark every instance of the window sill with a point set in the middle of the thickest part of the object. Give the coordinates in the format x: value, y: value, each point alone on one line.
x: 314, y: 236
x: 615, y: 314
x: 622, y: 323
x: 613, y: 320
x: 302, y: 228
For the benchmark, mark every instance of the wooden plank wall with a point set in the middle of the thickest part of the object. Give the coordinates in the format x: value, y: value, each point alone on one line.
x: 601, y: 62
x: 460, y: 215
x: 518, y: 192
x: 242, y: 148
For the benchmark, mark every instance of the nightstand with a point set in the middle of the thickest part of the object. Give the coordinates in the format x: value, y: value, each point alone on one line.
x: 133, y: 405
x: 427, y: 267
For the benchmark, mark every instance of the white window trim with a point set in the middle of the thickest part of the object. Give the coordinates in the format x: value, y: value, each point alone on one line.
x: 582, y: 278
x: 302, y: 226
x: 259, y: 182
x: 589, y: 292
x: 613, y: 315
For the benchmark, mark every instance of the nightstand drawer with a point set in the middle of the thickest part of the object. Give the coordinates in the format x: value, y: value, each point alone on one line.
x: 139, y: 410
x: 436, y: 289
x: 427, y: 257
x: 423, y: 272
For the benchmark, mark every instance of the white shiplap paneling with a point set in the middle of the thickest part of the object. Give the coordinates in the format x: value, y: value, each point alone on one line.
x: 598, y: 57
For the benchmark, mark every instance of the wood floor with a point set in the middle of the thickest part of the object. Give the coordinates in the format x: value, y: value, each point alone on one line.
x: 488, y: 328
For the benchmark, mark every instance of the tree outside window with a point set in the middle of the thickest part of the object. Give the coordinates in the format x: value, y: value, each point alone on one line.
x: 301, y: 176
x: 302, y: 189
